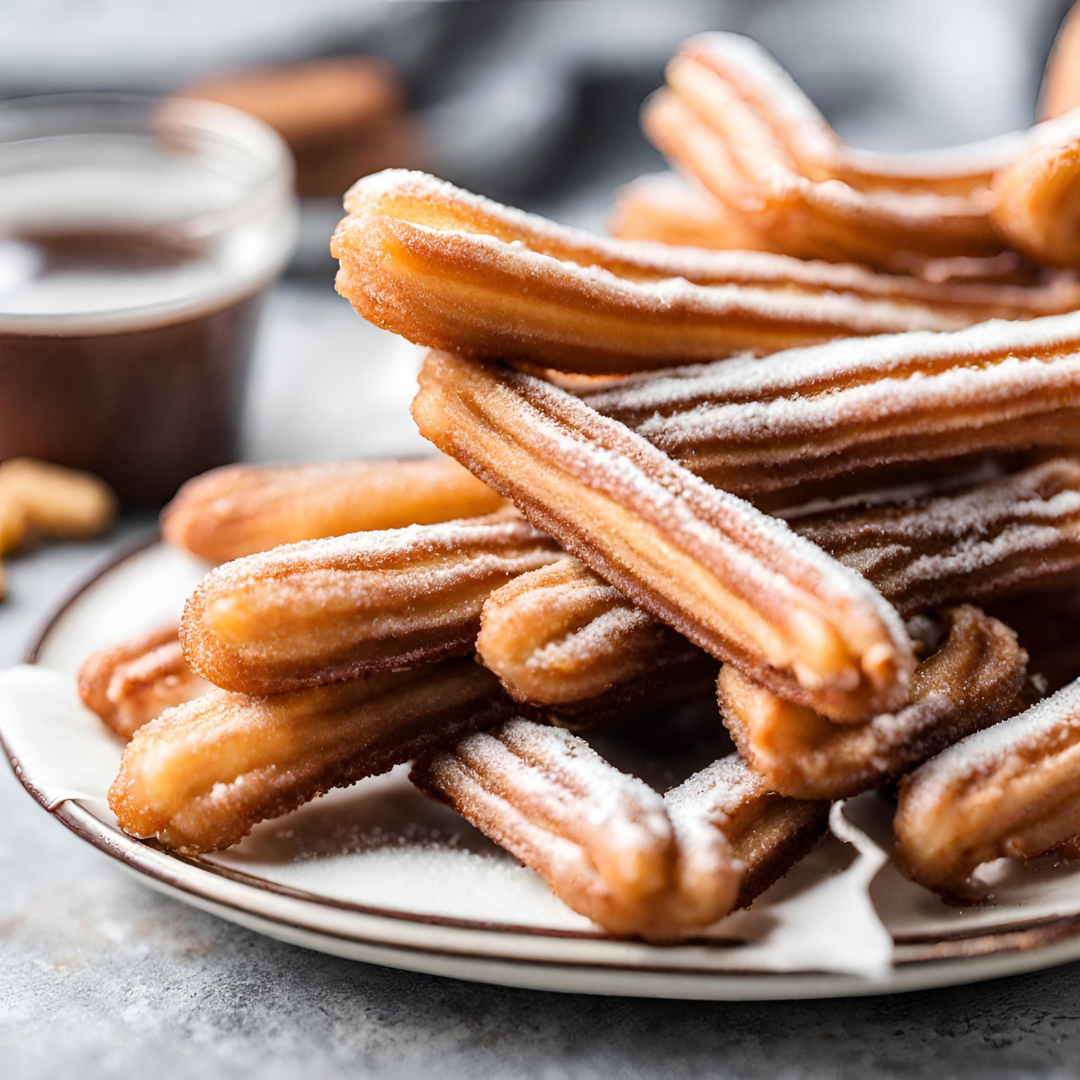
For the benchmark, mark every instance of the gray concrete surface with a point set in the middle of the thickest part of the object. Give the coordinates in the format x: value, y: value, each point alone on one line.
x: 101, y: 977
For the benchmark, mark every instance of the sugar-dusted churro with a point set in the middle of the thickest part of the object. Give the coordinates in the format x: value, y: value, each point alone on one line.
x: 767, y: 833
x: 131, y: 684
x: 324, y: 610
x: 451, y: 270
x: 601, y: 839
x: 1037, y: 203
x: 737, y: 583
x: 671, y: 210
x: 1011, y: 790
x: 702, y: 124
x: 562, y: 640
x: 201, y: 775
x: 813, y: 414
x: 561, y: 637
x: 761, y: 83
x: 734, y: 119
x: 243, y: 509
x: 971, y: 681
x: 1017, y: 534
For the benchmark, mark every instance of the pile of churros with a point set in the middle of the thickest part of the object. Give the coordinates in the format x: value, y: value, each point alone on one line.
x: 809, y: 471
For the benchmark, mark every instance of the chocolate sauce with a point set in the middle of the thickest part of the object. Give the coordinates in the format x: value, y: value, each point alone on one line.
x: 122, y: 351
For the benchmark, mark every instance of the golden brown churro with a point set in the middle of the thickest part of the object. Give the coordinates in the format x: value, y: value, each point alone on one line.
x: 735, y: 582
x: 451, y: 270
x: 1037, y: 207
x: 1012, y: 790
x: 1017, y: 534
x: 767, y: 833
x: 813, y: 414
x: 796, y: 124
x: 131, y: 684
x: 561, y: 638
x: 40, y: 499
x: 971, y: 681
x: 669, y: 209
x: 243, y: 509
x: 733, y: 119
x: 201, y: 775
x: 324, y: 610
x: 601, y: 839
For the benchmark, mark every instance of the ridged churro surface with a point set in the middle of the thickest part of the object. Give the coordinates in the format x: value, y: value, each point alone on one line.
x: 129, y: 684
x: 737, y: 583
x: 971, y: 681
x: 324, y: 610
x: 601, y: 839
x: 733, y: 119
x: 450, y: 270
x: 856, y: 406
x: 1013, y: 789
x: 560, y: 636
x: 201, y: 775
x: 767, y: 833
x: 243, y: 509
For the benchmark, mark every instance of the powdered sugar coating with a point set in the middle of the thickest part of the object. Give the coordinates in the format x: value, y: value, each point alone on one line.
x: 323, y: 610
x: 1022, y: 531
x: 768, y: 833
x: 970, y: 682
x: 814, y: 413
x: 776, y: 598
x: 602, y: 839
x: 986, y: 749
x: 457, y: 271
x: 973, y: 163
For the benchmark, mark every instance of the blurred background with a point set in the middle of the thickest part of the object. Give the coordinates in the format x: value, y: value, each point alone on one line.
x: 533, y: 102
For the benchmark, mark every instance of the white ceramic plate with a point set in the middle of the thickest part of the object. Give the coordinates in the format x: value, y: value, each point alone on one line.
x: 378, y: 873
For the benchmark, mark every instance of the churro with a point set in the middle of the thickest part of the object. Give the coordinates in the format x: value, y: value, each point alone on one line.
x: 131, y: 684
x: 1011, y: 790
x: 601, y: 839
x: 857, y: 406
x: 735, y: 120
x: 201, y: 775
x: 244, y: 509
x: 562, y: 639
x: 737, y: 583
x: 1017, y: 534
x: 451, y: 270
x: 766, y: 833
x: 972, y: 680
x: 671, y: 210
x: 1037, y: 204
x: 324, y: 610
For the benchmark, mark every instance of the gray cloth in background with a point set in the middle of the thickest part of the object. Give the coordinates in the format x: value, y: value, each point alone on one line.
x: 535, y: 101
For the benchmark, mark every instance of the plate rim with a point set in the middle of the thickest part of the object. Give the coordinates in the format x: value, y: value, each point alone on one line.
x: 153, y: 865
